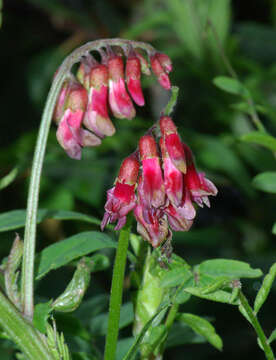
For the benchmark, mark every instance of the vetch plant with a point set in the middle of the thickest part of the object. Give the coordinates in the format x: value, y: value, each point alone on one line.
x: 158, y: 185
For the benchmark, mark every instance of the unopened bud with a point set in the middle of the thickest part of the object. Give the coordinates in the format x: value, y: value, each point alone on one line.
x: 160, y: 71
x: 133, y: 75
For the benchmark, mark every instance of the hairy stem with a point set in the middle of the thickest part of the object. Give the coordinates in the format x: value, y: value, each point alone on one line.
x: 255, y: 323
x: 172, y: 102
x: 33, y: 194
x: 22, y: 332
x: 117, y: 292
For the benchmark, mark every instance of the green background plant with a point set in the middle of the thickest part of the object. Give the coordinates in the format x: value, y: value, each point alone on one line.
x: 216, y: 124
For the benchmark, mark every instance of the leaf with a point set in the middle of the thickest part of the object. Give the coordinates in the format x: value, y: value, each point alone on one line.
x: 265, y: 288
x: 231, y: 85
x: 203, y: 328
x: 272, y: 337
x: 233, y: 269
x: 260, y: 138
x: 265, y: 181
x: 216, y: 285
x: 218, y: 296
x: 41, y: 314
x: 175, y: 277
x: 98, y: 324
x: 8, y: 179
x: 134, y: 348
x: 61, y: 253
x: 15, y: 219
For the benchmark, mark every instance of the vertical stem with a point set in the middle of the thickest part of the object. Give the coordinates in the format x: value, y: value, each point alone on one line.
x: 255, y: 323
x: 32, y: 205
x: 117, y: 292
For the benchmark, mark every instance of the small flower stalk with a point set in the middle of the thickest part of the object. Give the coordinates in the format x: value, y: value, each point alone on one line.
x: 101, y: 90
x: 164, y: 193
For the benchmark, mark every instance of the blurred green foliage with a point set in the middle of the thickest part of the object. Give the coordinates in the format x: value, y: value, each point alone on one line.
x: 36, y: 35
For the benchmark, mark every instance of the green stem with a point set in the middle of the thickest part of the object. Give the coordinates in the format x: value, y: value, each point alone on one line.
x: 171, y: 316
x: 33, y: 194
x: 22, y: 333
x: 255, y: 323
x: 116, y: 293
x: 172, y: 102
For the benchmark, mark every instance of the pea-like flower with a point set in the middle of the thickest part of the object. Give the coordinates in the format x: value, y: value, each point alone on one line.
x: 199, y: 187
x: 71, y: 136
x: 121, y: 199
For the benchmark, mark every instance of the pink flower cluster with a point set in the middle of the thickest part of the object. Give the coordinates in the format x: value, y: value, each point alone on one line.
x: 160, y: 184
x: 100, y: 88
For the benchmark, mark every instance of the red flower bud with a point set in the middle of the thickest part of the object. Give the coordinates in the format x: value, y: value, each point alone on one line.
x: 121, y: 198
x: 133, y: 75
x: 161, y: 67
x: 173, y: 143
x: 119, y: 100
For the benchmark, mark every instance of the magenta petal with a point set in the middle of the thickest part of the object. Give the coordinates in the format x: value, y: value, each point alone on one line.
x: 173, y: 180
x: 119, y: 100
x: 135, y: 90
x: 96, y: 117
x: 68, y: 133
x: 152, y: 186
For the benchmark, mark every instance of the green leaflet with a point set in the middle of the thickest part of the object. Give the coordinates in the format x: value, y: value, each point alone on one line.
x: 63, y: 252
x: 260, y: 138
x: 231, y: 85
x: 265, y: 288
x: 8, y: 179
x: 41, y: 314
x: 202, y: 327
x: 15, y: 219
x: 265, y: 181
x: 233, y: 269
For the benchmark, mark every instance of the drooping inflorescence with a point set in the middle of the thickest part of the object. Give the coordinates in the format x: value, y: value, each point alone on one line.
x: 102, y: 88
x: 160, y: 183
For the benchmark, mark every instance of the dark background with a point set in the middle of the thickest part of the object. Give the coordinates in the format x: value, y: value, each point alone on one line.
x: 35, y: 37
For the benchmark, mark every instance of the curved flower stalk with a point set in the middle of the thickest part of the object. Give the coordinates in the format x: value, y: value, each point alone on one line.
x: 72, y: 135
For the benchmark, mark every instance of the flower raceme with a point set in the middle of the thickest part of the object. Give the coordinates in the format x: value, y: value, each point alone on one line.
x: 101, y: 88
x: 167, y: 187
